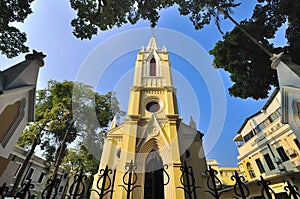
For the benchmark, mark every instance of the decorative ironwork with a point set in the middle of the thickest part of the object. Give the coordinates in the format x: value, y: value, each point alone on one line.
x: 189, y: 187
x: 132, y: 178
x: 4, y: 190
x: 77, y: 188
x: 48, y: 191
x: 240, y: 189
x: 168, y: 177
x: 266, y: 190
x: 107, y: 182
x: 25, y: 190
x: 292, y: 190
x: 214, y: 183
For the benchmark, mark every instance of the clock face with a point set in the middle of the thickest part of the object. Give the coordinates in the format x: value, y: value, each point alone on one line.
x: 153, y: 107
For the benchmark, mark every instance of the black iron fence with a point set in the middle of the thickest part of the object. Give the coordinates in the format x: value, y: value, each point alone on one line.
x: 23, y: 193
x: 187, y: 180
x: 105, y: 182
x: 241, y: 189
x: 77, y: 190
x: 105, y: 185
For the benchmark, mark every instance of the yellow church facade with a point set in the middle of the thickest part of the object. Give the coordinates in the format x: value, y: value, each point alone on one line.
x: 152, y: 154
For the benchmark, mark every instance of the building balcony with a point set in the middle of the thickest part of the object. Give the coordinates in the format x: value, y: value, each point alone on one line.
x: 267, y: 135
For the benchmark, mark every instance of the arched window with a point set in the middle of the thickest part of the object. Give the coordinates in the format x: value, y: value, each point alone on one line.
x: 153, y: 67
x: 10, y: 118
x: 250, y: 170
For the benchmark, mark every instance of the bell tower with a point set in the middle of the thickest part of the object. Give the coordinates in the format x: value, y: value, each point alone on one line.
x: 149, y: 149
x: 152, y: 91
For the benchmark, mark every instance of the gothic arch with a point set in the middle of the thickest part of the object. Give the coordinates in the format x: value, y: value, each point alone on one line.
x: 154, y: 179
x: 153, y: 55
x: 11, y: 116
x: 153, y: 67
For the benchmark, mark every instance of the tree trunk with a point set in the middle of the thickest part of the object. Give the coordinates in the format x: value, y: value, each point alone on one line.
x: 246, y: 33
x: 58, y: 160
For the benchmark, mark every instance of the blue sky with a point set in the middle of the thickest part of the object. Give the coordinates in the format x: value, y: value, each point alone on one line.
x: 49, y: 30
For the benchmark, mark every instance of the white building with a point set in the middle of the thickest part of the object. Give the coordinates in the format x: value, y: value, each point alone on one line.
x: 289, y: 83
x: 268, y: 148
x: 17, y: 102
x: 36, y: 170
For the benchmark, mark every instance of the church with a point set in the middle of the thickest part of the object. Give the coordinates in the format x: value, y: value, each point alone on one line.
x: 152, y: 154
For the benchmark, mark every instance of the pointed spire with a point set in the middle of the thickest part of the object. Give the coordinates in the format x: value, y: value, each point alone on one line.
x: 113, y: 123
x: 152, y: 45
x: 192, y: 123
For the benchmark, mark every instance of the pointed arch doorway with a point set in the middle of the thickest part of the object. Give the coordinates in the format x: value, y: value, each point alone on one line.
x: 154, y: 179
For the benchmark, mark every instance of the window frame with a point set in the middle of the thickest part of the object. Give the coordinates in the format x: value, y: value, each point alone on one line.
x: 41, y: 177
x: 152, y: 68
x: 18, y: 169
x: 281, y: 152
x: 260, y: 166
x: 250, y: 170
x: 269, y: 162
x: 27, y: 175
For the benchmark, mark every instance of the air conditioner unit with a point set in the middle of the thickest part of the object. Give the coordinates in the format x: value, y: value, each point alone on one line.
x: 291, y: 152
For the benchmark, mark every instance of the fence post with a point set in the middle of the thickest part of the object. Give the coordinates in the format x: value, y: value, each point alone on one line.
x: 106, y: 182
x: 212, y: 180
x: 168, y: 177
x: 132, y: 178
x: 78, y: 183
x: 188, y: 187
x: 4, y: 190
x: 265, y: 188
x: 292, y: 189
x: 25, y: 190
x: 240, y: 189
x: 48, y: 191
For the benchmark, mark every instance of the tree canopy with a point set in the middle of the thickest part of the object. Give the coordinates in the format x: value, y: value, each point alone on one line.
x: 12, y: 39
x: 249, y: 66
x: 102, y: 15
x: 245, y: 70
x: 73, y: 109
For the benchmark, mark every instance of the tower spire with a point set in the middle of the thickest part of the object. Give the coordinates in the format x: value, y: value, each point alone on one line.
x: 152, y: 45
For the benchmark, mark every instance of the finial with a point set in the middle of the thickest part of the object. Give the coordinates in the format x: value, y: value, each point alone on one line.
x: 164, y: 48
x: 152, y: 43
x: 36, y: 56
x: 153, y: 30
x: 192, y: 123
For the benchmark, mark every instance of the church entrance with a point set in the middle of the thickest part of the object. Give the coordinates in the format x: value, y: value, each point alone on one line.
x: 154, y: 179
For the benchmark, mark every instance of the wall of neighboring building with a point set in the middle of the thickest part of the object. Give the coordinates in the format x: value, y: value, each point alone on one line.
x: 224, y: 173
x: 276, y: 184
x: 36, y: 171
x: 272, y: 148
